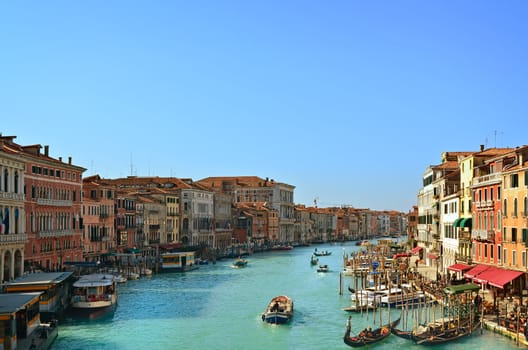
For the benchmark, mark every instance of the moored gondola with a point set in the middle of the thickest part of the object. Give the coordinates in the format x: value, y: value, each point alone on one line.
x: 369, y: 336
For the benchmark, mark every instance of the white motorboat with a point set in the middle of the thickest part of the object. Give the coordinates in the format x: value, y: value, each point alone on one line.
x: 94, y: 292
x: 119, y: 278
x: 323, y: 268
x: 402, y: 295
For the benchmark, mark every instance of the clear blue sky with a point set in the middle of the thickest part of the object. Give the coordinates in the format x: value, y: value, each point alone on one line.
x: 349, y: 101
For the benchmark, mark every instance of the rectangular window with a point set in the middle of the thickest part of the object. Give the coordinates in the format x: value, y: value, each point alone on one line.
x: 514, y: 257
x: 514, y: 180
x: 485, y: 250
x: 505, y: 256
x: 498, y: 193
x: 514, y: 234
x: 525, y: 236
x: 523, y: 258
x: 526, y: 178
x: 491, y: 193
x: 492, y: 250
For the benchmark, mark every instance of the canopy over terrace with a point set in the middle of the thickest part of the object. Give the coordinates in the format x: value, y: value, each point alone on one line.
x: 459, y: 267
x: 475, y: 271
x: 497, y: 277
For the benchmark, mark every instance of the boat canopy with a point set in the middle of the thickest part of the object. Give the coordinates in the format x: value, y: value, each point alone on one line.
x: 462, y: 288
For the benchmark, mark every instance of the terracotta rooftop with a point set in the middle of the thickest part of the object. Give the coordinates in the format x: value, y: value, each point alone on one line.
x: 239, y: 181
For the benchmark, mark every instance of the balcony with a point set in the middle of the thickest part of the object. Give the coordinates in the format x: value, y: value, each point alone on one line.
x: 54, y: 202
x: 483, y: 235
x: 462, y: 258
x: 12, y: 196
x: 56, y: 233
x: 13, y: 238
x: 487, y: 179
x: 464, y: 236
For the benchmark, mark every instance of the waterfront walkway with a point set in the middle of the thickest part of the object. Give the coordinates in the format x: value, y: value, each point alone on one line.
x: 491, y: 321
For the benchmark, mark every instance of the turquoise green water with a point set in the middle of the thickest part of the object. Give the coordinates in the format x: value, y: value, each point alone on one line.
x: 218, y: 307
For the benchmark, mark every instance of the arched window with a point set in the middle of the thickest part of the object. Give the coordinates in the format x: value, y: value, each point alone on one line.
x: 515, y: 207
x: 505, y: 209
x: 525, y: 209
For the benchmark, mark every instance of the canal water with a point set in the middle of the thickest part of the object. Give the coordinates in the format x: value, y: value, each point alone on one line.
x: 220, y: 307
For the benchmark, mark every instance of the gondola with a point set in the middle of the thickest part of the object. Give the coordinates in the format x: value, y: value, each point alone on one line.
x: 435, y: 334
x: 432, y: 337
x: 368, y: 336
x: 323, y: 253
x: 314, y: 261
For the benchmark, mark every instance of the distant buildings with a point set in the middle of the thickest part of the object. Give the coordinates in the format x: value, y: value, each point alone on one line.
x: 51, y: 216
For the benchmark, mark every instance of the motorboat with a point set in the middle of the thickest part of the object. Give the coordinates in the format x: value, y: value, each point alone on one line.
x: 323, y: 268
x: 239, y: 263
x: 94, y: 292
x: 279, y: 310
x: 402, y: 295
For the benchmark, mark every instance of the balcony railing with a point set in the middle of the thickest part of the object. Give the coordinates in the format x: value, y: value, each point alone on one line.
x: 463, y: 258
x: 486, y: 179
x: 13, y: 238
x: 485, y: 235
x: 11, y: 195
x: 56, y: 233
x: 54, y: 202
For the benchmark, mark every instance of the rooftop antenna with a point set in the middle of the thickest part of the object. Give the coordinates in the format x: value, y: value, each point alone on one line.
x: 315, y: 201
x: 131, y: 166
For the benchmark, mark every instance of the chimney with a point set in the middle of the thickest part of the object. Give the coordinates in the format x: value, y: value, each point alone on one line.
x: 60, y: 159
x: 481, y: 148
x: 69, y: 160
x: 46, y: 151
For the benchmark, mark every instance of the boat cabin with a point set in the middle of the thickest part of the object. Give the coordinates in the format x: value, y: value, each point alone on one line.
x: 19, y: 318
x: 54, y: 288
x: 178, y: 261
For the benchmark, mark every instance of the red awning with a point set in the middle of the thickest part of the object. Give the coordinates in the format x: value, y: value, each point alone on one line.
x: 416, y: 250
x: 475, y: 271
x: 498, y: 277
x: 484, y: 276
x: 460, y: 267
x: 432, y: 256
